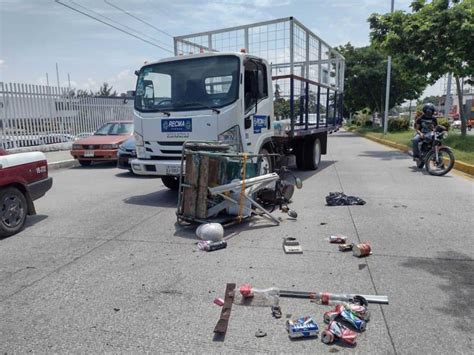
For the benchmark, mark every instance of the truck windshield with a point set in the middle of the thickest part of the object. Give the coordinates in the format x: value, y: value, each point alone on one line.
x: 189, y: 84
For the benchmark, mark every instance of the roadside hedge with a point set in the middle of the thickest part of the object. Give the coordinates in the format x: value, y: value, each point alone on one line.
x: 398, y: 124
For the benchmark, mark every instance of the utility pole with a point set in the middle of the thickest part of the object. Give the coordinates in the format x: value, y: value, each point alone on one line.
x: 387, y: 89
x: 69, y: 82
x: 447, y: 101
x: 47, y: 80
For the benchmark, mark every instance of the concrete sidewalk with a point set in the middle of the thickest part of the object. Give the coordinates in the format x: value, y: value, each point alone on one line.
x: 60, y: 159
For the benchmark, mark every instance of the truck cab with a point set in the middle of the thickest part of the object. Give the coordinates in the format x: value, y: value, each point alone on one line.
x: 209, y: 96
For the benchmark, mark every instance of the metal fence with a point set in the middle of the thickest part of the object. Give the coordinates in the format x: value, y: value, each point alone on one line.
x: 32, y: 115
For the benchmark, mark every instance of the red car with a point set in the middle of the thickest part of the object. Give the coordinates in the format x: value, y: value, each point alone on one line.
x: 103, y: 144
x: 23, y: 179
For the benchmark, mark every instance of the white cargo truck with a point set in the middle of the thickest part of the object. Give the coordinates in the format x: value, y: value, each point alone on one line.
x: 269, y: 87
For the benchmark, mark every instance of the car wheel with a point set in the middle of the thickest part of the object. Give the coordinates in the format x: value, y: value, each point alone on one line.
x: 85, y: 162
x: 171, y: 182
x: 13, y: 211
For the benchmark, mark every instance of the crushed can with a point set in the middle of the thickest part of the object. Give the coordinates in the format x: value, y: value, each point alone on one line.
x: 346, y: 247
x: 361, y: 250
x: 303, y: 327
x: 209, y: 245
x: 336, y: 330
x: 338, y: 239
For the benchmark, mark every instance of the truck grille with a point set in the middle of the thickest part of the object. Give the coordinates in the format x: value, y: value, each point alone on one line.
x: 165, y: 148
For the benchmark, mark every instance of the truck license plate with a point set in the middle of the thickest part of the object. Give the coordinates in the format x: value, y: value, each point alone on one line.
x: 173, y: 170
x: 88, y: 154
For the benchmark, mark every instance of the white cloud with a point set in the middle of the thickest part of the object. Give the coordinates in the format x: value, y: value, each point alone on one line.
x: 123, y: 81
x: 2, y: 61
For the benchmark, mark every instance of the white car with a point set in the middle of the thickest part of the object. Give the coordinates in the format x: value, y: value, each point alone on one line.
x: 456, y: 124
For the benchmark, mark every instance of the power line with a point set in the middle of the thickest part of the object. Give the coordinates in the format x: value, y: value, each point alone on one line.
x: 138, y: 18
x: 117, y: 28
x: 119, y: 23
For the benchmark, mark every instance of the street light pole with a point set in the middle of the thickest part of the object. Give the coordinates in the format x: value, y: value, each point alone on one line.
x: 387, y: 88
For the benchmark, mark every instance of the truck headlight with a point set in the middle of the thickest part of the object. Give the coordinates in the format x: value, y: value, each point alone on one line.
x: 232, y: 138
x: 138, y: 139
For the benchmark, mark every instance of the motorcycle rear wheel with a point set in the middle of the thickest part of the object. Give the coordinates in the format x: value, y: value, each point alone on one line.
x: 444, y: 164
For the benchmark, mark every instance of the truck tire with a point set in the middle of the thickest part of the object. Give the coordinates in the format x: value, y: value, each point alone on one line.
x: 265, y: 165
x: 312, y: 154
x: 13, y: 211
x: 85, y: 162
x: 299, y: 155
x: 171, y: 182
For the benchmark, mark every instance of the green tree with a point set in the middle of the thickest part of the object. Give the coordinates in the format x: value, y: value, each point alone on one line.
x: 106, y: 91
x: 365, y: 78
x: 436, y: 38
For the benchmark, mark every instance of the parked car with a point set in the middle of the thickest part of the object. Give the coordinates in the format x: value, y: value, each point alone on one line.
x: 126, y: 152
x: 58, y: 138
x: 103, y: 144
x: 23, y: 179
x: 456, y: 124
x: 83, y: 135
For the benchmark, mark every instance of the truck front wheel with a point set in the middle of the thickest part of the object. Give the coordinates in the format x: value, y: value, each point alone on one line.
x: 171, y: 182
x: 265, y: 163
x: 312, y: 154
x: 13, y: 211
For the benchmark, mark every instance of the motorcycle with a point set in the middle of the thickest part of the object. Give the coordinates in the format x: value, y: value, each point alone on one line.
x: 437, y: 158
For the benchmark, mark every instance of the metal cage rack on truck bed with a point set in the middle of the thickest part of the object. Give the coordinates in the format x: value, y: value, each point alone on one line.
x: 307, y: 74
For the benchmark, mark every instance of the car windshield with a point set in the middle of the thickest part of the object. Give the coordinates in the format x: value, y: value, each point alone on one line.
x: 190, y: 84
x: 115, y: 129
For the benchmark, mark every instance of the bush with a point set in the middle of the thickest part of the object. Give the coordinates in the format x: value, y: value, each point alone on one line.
x: 363, y: 119
x: 398, y: 124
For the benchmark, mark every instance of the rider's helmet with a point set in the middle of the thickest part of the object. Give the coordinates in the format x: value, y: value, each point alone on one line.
x: 429, y: 109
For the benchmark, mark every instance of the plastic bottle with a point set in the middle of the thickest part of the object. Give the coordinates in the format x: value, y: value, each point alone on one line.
x: 272, y: 294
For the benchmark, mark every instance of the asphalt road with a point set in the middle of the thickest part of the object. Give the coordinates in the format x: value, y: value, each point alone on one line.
x: 104, y: 268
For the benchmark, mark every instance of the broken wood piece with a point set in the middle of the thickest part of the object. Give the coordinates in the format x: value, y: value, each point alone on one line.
x: 223, y: 322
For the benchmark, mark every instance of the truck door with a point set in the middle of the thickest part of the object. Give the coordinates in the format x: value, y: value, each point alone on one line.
x: 257, y: 105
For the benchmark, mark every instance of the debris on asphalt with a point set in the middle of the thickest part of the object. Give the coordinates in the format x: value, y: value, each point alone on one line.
x: 223, y: 322
x: 208, y: 245
x: 361, y: 250
x: 346, y: 247
x: 260, y: 333
x: 210, y: 231
x: 276, y: 312
x: 219, y: 301
x: 116, y: 309
x: 271, y: 294
x: 303, y: 327
x: 336, y: 330
x: 341, y: 199
x: 292, y: 246
x: 333, y: 298
x: 274, y: 294
x: 345, y: 313
x: 337, y: 239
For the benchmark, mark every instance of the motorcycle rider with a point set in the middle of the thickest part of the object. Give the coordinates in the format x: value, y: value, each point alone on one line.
x: 424, y: 125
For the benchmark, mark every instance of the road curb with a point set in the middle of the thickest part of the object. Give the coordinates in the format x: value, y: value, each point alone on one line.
x: 458, y: 165
x: 63, y: 164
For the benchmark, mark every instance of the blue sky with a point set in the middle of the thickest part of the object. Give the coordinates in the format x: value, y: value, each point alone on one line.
x: 35, y: 34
